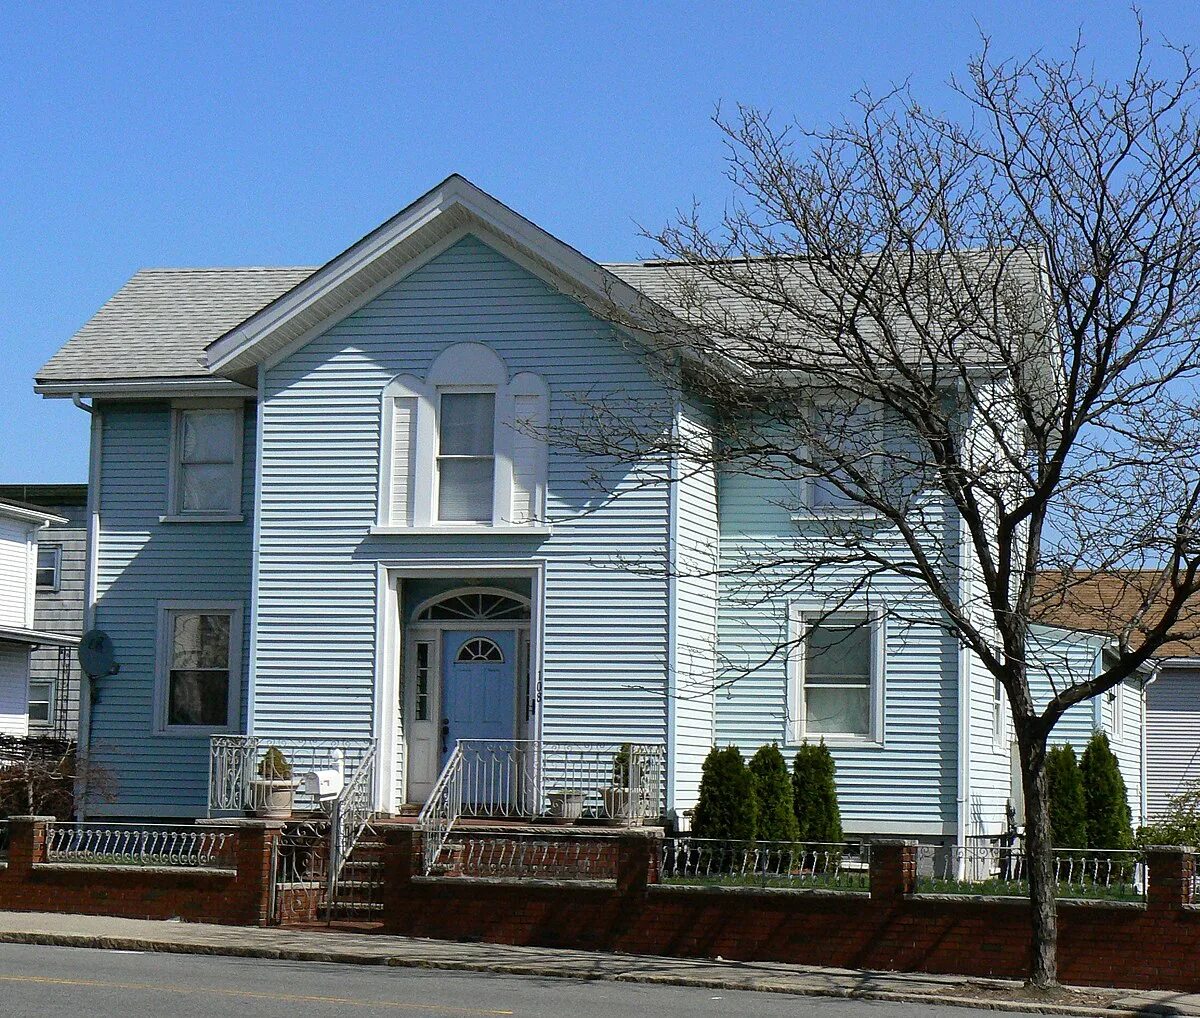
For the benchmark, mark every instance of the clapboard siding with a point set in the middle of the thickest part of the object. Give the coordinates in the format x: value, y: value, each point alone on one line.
x: 14, y: 677
x: 1172, y: 734
x: 910, y: 778
x: 140, y: 562
x: 61, y: 611
x: 15, y: 573
x: 696, y: 560
x: 605, y: 631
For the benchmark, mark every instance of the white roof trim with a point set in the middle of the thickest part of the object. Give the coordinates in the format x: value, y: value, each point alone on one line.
x: 144, y: 388
x: 28, y: 514
x: 18, y: 634
x: 243, y: 346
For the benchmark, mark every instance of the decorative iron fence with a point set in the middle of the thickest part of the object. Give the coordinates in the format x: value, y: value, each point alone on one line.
x: 235, y: 784
x: 135, y: 844
x: 512, y: 778
x: 300, y: 871
x: 715, y: 862
x: 526, y: 856
x: 992, y: 867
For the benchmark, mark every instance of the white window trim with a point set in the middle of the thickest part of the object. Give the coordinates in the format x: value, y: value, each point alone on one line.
x: 461, y: 368
x: 162, y: 669
x: 795, y: 724
x: 58, y: 552
x: 175, y: 512
x: 999, y: 713
x: 1118, y: 712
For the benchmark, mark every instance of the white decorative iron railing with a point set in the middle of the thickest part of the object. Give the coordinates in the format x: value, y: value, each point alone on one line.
x: 515, y: 778
x: 988, y: 866
x: 526, y: 856
x: 352, y: 811
x: 236, y: 763
x: 714, y: 861
x: 136, y: 844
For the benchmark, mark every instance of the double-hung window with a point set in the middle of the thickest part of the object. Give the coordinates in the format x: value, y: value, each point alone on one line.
x: 466, y: 460
x: 49, y: 566
x: 41, y: 693
x: 198, y: 681
x: 206, y: 476
x: 838, y: 670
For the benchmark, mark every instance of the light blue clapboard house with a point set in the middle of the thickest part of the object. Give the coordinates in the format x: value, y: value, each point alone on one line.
x: 328, y: 514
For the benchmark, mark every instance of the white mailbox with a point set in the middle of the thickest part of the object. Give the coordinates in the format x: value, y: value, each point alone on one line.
x: 326, y: 783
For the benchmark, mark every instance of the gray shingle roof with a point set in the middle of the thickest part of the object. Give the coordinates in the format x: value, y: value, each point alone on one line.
x: 158, y: 323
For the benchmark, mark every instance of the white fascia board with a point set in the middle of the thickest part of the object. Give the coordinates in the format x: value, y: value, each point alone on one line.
x: 143, y: 388
x: 236, y: 349
x: 36, y: 518
x: 37, y: 637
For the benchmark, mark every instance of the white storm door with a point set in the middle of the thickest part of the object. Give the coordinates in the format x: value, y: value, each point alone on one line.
x: 422, y: 714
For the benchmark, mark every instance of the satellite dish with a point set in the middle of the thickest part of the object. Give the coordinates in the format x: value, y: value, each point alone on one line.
x: 96, y: 654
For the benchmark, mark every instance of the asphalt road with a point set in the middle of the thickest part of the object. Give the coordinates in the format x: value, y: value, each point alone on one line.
x: 62, y: 981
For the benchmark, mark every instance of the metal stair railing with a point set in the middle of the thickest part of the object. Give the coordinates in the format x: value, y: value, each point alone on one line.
x: 352, y: 812
x: 442, y: 808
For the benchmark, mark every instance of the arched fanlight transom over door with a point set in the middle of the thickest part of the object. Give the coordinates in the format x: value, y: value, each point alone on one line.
x: 481, y: 649
x: 483, y: 605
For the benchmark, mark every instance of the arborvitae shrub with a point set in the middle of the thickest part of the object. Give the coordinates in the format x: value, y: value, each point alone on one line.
x: 727, y: 807
x: 814, y: 794
x: 1109, y: 824
x: 773, y: 792
x: 1068, y: 804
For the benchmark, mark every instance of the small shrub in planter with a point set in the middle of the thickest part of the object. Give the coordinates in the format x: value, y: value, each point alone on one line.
x: 814, y: 789
x: 727, y: 808
x: 774, y: 795
x: 626, y: 799
x: 1109, y: 824
x: 1068, y: 804
x: 273, y: 791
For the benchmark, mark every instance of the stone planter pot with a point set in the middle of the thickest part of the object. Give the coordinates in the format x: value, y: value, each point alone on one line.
x: 272, y: 799
x: 566, y: 807
x: 622, y: 806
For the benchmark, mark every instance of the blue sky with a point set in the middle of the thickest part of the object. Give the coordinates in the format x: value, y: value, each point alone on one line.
x: 257, y: 134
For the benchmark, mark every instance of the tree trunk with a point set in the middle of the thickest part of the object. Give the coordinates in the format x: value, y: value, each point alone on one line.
x: 1039, y: 861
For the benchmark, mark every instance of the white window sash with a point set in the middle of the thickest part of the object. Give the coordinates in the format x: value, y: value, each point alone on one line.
x: 168, y: 612
x: 796, y: 726
x: 55, y: 566
x: 231, y: 508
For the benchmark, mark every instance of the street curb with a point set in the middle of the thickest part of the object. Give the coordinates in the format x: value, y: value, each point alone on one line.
x: 531, y: 969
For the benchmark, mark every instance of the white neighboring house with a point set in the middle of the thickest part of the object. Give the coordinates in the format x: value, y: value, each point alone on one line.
x: 19, y: 527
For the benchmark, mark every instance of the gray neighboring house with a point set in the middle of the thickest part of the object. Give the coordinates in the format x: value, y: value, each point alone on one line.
x: 58, y: 604
x: 1173, y: 727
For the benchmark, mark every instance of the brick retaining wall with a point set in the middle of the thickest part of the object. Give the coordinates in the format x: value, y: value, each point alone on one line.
x: 1155, y: 945
x: 239, y: 896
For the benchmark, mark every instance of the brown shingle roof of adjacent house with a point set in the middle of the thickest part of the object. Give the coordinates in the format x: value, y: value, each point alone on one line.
x: 1108, y: 602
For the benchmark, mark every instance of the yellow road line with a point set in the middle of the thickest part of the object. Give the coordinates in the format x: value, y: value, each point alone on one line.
x: 221, y: 991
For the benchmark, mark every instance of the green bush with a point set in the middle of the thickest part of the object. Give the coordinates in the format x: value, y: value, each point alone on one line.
x: 1068, y: 803
x: 773, y: 792
x: 727, y: 808
x: 814, y: 794
x: 274, y: 766
x: 1179, y: 825
x: 1109, y: 824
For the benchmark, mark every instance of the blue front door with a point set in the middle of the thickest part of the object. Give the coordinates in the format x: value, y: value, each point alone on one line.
x: 479, y: 686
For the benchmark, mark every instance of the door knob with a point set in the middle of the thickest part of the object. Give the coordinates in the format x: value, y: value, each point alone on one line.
x: 445, y: 732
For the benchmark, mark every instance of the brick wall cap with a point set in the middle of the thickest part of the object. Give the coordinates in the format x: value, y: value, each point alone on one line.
x: 893, y: 842
x: 33, y: 820
x: 246, y: 823
x: 640, y: 834
x: 1184, y: 849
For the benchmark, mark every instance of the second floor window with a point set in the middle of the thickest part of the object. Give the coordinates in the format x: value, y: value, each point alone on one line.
x: 466, y: 461
x: 49, y: 565
x: 207, y: 475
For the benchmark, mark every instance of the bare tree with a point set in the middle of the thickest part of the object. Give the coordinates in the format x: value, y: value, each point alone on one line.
x: 962, y: 354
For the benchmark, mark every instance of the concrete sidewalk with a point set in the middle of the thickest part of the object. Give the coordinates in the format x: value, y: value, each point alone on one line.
x: 375, y: 949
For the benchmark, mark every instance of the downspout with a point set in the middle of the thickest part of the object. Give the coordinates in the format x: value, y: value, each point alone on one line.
x: 964, y: 697
x: 673, y: 611
x: 89, y: 593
